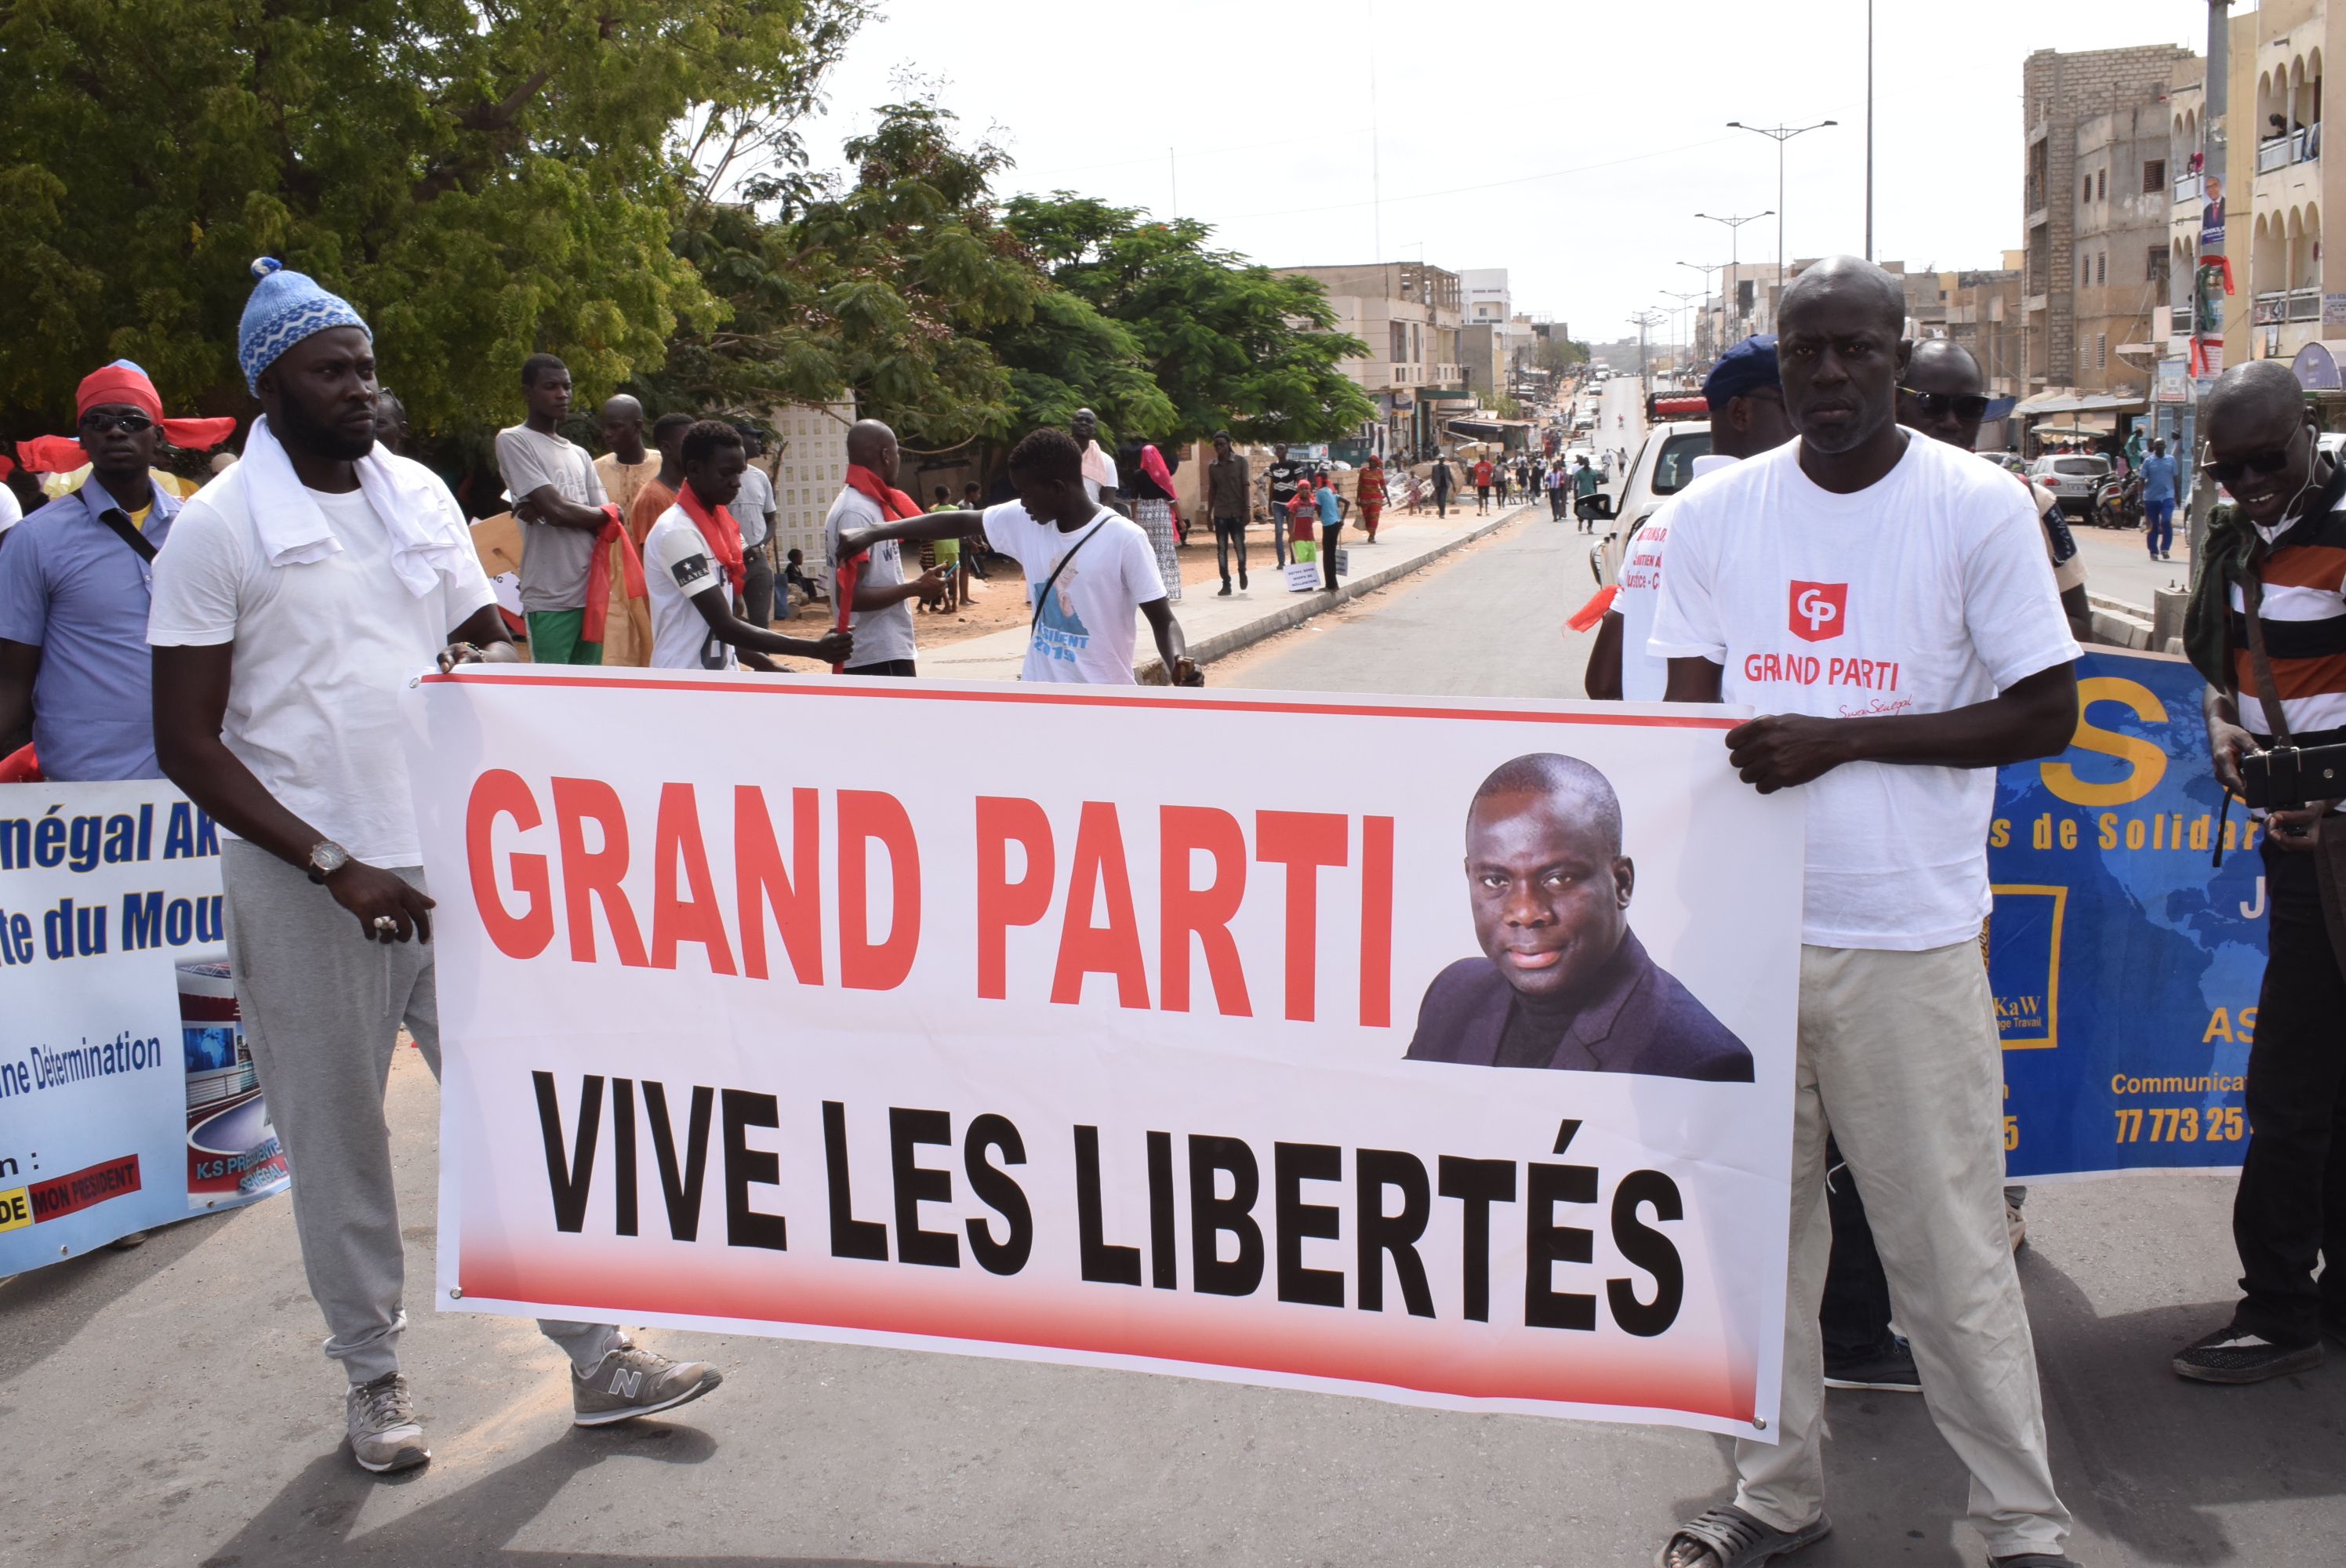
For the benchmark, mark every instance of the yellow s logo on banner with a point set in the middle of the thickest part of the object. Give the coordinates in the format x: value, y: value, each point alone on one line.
x: 2148, y: 762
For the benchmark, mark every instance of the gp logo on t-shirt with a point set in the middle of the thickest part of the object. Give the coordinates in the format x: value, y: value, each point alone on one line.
x: 1818, y: 610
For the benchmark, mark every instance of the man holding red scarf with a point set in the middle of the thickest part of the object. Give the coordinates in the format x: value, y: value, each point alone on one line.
x: 566, y: 533
x: 881, y: 602
x: 694, y: 556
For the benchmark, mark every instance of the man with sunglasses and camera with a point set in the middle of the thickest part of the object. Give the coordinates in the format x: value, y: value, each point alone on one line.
x: 2267, y: 619
x: 75, y: 586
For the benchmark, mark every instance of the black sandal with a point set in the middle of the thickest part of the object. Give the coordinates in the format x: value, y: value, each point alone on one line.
x: 1734, y: 1539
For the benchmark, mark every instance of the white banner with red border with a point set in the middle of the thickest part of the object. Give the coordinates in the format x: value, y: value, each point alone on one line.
x: 1071, y: 1025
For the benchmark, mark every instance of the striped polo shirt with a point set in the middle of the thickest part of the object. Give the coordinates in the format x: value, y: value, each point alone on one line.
x: 2303, y: 620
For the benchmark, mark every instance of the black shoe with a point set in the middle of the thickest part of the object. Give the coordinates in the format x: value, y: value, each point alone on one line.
x: 1891, y: 1373
x: 2233, y: 1355
x: 1226, y: 589
x: 1242, y: 580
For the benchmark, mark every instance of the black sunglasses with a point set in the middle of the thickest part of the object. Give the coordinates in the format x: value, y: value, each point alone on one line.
x: 130, y: 422
x: 2229, y: 473
x: 1935, y: 405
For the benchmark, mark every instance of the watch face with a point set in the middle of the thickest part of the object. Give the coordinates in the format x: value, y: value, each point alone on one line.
x: 329, y: 857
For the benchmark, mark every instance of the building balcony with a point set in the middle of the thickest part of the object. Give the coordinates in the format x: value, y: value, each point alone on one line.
x: 2192, y: 187
x: 2278, y: 305
x: 2297, y: 147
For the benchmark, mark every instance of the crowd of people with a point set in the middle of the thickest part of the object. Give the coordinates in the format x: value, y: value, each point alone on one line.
x: 248, y: 641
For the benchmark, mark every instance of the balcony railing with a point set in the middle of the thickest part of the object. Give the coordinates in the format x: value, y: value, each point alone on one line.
x: 2190, y: 188
x: 2277, y: 305
x: 2297, y: 147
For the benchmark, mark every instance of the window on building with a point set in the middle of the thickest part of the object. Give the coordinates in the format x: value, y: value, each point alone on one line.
x: 1399, y: 354
x: 2101, y: 268
x: 2154, y: 175
x: 2088, y: 194
x: 2154, y: 266
x: 2101, y: 351
x: 2102, y: 182
x: 2084, y: 270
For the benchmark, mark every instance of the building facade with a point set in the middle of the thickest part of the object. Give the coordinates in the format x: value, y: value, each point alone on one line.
x: 1409, y: 315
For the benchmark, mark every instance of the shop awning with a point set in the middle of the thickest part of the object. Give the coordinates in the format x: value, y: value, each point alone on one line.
x: 2044, y: 404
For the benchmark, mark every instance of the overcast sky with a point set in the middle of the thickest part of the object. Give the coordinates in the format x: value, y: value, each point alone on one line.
x: 1569, y: 142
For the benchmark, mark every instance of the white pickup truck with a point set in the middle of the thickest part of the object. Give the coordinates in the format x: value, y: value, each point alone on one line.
x: 1664, y: 466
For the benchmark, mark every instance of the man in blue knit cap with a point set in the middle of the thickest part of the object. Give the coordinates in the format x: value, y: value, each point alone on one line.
x: 294, y: 596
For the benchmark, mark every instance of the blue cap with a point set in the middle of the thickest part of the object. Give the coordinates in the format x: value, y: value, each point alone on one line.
x: 285, y: 308
x: 1742, y: 369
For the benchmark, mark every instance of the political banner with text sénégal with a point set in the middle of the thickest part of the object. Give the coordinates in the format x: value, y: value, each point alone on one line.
x: 2125, y: 961
x: 104, y: 888
x: 1118, y: 1027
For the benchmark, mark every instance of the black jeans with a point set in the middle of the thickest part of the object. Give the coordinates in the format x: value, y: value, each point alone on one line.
x: 1441, y: 503
x: 1229, y: 532
x: 1854, y: 1318
x: 1328, y: 531
x: 2290, y: 1208
x: 758, y: 585
x: 897, y: 667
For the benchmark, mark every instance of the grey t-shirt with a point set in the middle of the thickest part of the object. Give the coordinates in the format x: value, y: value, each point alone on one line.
x: 754, y: 505
x: 882, y: 636
x: 554, y: 559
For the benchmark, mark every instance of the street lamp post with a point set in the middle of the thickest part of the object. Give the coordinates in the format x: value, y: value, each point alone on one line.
x: 1704, y: 320
x: 1780, y: 135
x: 1734, y: 235
x: 1685, y: 304
x: 1646, y: 321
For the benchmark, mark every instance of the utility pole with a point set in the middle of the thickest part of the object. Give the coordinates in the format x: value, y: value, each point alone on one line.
x: 1684, y: 303
x: 1702, y: 339
x: 2207, y: 274
x: 1734, y: 272
x: 1646, y: 322
x: 1780, y: 135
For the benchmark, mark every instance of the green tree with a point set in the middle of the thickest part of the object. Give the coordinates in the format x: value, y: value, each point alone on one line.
x: 1230, y: 342
x: 1555, y: 354
x: 481, y: 180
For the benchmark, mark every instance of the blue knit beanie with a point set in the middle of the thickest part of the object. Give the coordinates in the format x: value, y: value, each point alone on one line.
x: 285, y: 308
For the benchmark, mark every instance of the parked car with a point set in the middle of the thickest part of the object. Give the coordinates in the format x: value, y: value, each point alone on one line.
x: 1664, y: 466
x: 2075, y: 476
x: 2010, y: 462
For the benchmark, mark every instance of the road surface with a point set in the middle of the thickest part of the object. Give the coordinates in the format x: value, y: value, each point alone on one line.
x: 168, y: 1406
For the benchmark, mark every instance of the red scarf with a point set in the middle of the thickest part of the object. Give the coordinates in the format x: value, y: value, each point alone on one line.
x: 598, y: 574
x: 717, y: 531
x: 893, y: 503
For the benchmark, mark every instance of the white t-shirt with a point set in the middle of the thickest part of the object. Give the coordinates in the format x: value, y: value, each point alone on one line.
x: 323, y: 650
x: 1644, y: 677
x: 677, y: 566
x: 1086, y: 632
x: 752, y: 507
x: 1926, y: 591
x: 882, y: 636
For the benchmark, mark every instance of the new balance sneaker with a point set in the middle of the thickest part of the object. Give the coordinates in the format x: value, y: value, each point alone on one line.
x: 1891, y: 1373
x: 2233, y: 1355
x: 632, y: 1381
x: 384, y: 1434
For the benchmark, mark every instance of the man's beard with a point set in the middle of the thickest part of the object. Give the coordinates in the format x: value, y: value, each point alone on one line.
x: 298, y: 427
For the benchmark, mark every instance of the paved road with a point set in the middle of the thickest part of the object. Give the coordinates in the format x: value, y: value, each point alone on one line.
x: 168, y: 1406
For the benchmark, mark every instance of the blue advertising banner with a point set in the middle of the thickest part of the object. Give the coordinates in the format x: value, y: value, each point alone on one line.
x: 2124, y: 964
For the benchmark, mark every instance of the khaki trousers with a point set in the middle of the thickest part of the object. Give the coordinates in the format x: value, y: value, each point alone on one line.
x: 1898, y: 1060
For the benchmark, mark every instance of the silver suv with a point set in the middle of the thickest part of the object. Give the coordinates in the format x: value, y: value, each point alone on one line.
x: 2073, y: 476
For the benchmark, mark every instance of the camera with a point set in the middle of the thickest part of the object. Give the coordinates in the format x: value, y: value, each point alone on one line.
x: 2289, y: 777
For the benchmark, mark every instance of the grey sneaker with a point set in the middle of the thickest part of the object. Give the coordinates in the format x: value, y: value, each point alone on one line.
x: 632, y: 1381
x: 384, y: 1434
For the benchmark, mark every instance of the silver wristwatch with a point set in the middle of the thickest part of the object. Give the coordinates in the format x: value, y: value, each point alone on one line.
x: 326, y: 858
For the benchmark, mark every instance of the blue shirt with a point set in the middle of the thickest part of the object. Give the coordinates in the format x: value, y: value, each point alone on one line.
x: 2158, y: 478
x: 71, y: 586
x: 1330, y: 507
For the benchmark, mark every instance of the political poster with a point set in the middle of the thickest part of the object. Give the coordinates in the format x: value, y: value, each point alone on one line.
x: 1433, y: 1050
x: 103, y: 887
x: 2125, y: 961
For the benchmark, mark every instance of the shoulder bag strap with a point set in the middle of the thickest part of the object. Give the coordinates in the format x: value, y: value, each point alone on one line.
x: 1035, y: 624
x: 120, y: 521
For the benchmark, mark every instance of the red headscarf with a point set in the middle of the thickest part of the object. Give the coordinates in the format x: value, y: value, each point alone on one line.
x: 119, y: 382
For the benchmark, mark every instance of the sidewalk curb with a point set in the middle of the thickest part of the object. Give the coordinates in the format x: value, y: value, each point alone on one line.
x: 1301, y: 607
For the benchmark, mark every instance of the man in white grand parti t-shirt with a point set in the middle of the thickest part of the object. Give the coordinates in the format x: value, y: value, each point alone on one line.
x: 1884, y: 601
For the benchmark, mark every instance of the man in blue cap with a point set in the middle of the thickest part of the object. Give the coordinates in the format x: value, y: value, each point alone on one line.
x: 1746, y: 418
x: 294, y: 596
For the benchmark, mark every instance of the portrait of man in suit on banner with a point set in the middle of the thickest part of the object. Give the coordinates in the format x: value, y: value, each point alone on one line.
x: 1563, y: 982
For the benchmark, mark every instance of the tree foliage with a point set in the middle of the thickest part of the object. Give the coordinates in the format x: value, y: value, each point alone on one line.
x: 1231, y: 342
x: 480, y: 179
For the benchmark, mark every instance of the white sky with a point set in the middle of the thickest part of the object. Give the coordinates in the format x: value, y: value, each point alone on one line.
x: 1568, y: 141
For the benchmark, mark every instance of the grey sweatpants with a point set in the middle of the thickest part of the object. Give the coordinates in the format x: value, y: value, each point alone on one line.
x: 321, y: 1007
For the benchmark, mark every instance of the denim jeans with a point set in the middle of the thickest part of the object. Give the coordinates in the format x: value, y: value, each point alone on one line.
x: 1229, y: 532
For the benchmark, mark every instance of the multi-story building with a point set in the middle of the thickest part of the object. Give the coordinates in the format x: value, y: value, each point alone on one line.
x: 2095, y: 210
x: 1408, y: 314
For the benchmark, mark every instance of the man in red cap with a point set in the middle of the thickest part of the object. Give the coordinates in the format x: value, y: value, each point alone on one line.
x: 74, y: 584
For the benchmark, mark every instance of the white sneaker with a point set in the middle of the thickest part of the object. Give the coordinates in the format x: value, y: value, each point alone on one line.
x: 384, y: 1432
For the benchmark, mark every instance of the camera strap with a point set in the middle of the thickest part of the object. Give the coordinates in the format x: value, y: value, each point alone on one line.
x: 2329, y: 833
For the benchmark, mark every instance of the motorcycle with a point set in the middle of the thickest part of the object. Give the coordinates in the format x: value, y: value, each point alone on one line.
x: 2117, y: 503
